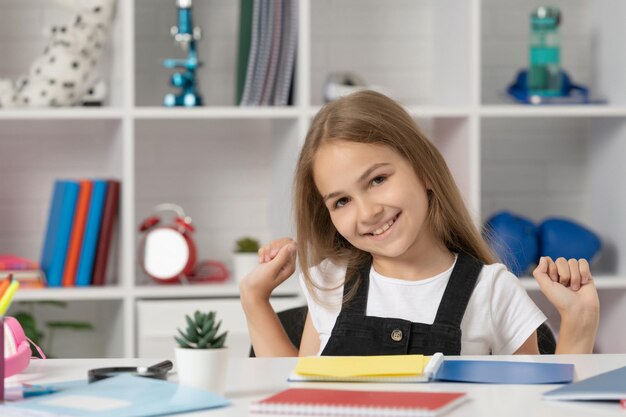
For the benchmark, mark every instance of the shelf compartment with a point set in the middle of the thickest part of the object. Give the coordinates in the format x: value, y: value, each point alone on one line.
x: 157, y: 321
x: 232, y: 179
x: 588, y: 31
x: 217, y: 50
x: 403, y: 47
x: 20, y: 49
x: 38, y: 152
x: 103, y: 313
x: 559, y: 167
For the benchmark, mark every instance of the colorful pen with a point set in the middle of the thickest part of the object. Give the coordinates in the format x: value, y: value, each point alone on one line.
x: 7, y: 297
x: 4, y: 284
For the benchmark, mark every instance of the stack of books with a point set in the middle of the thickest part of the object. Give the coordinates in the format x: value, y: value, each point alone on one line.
x: 24, y: 270
x: 268, y: 36
x: 79, y: 232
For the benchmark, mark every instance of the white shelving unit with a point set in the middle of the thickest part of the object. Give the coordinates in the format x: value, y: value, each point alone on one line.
x: 231, y: 168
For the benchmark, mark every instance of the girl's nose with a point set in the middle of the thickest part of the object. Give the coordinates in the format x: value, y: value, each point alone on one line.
x: 369, y: 211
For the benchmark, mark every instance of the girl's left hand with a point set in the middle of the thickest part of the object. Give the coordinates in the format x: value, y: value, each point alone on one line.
x: 568, y: 285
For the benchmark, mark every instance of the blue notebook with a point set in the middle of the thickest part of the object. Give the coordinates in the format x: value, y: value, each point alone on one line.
x: 59, y: 230
x: 120, y: 396
x: 504, y: 372
x: 92, y: 232
x: 607, y: 386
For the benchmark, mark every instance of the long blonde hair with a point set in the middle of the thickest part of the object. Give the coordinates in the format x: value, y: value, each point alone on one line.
x: 371, y: 117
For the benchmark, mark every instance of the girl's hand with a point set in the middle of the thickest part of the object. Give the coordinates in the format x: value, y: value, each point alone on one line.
x: 569, y: 286
x: 259, y: 284
x: 269, y: 251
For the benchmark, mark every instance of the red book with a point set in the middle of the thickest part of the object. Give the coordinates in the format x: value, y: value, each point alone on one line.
x: 303, y: 401
x: 78, y: 229
x: 109, y: 215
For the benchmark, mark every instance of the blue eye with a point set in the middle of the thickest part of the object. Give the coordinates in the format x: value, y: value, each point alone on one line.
x: 378, y: 180
x: 341, y: 202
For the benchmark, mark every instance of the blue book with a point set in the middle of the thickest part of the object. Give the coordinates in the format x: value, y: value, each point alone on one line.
x: 504, y: 372
x: 120, y: 396
x: 608, y: 386
x: 62, y: 229
x: 54, y: 214
x: 92, y: 232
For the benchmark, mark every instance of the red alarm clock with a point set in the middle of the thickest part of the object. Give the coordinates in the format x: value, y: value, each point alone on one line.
x: 167, y: 252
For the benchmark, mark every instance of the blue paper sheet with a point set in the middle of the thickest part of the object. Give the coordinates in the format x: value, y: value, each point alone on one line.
x: 121, y: 396
x: 606, y: 386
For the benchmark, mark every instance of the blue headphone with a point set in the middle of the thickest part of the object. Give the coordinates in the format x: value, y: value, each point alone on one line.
x: 519, y: 89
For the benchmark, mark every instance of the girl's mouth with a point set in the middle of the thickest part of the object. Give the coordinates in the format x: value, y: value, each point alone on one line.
x: 385, y: 227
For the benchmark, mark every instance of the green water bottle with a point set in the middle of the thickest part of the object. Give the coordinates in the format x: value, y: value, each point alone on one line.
x: 544, y: 70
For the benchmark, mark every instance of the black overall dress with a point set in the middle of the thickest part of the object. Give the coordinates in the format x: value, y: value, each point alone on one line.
x: 356, y: 334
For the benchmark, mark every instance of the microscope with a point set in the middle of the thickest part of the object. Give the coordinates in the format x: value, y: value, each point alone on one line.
x: 186, y: 36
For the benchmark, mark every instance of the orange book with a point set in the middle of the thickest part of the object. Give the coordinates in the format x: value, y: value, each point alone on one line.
x: 78, y: 229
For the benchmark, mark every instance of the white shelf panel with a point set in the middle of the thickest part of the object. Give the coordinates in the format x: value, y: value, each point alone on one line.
x: 603, y: 282
x: 551, y: 111
x: 216, y: 113
x: 438, y: 112
x: 78, y: 113
x: 421, y: 111
x: 205, y: 290
x: 71, y: 294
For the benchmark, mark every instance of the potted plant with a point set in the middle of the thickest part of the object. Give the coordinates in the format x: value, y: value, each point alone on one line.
x: 245, y: 257
x: 201, y: 355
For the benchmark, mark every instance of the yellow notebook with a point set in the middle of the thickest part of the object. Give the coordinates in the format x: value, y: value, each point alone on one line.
x: 385, y: 368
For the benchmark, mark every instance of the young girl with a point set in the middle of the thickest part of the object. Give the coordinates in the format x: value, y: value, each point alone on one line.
x: 391, y: 261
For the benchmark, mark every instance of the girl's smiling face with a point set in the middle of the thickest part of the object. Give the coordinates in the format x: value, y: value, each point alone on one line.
x: 375, y: 199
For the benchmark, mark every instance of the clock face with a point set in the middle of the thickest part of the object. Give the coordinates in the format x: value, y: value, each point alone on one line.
x: 166, y: 253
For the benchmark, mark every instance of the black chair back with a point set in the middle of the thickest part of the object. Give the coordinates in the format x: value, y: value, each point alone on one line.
x: 293, y: 322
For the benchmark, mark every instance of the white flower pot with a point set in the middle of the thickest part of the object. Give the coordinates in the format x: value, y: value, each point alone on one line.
x: 243, y: 263
x: 202, y: 368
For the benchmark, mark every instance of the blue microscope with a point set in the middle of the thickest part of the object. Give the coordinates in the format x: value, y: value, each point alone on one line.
x: 186, y: 36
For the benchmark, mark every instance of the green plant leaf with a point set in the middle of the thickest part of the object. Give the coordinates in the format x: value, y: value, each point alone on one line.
x: 183, y: 343
x: 219, y: 342
x: 183, y: 335
x: 207, y: 326
x: 247, y: 245
x: 210, y: 335
x: 204, y: 342
x: 199, y: 318
x: 209, y: 323
x: 192, y: 336
x: 192, y: 333
x: 190, y: 322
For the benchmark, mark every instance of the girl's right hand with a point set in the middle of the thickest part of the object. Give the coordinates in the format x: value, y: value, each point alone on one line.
x: 269, y: 251
x: 277, y: 262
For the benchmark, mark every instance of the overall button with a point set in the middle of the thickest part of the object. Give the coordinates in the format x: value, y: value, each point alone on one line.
x: 396, y: 335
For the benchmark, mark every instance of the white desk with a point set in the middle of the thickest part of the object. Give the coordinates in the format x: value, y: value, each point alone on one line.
x: 253, y: 379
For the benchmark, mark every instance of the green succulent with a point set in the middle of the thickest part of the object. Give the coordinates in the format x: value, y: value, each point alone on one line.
x: 247, y: 244
x: 201, y: 332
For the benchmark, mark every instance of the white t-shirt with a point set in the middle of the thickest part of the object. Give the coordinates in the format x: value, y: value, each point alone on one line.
x: 500, y: 316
